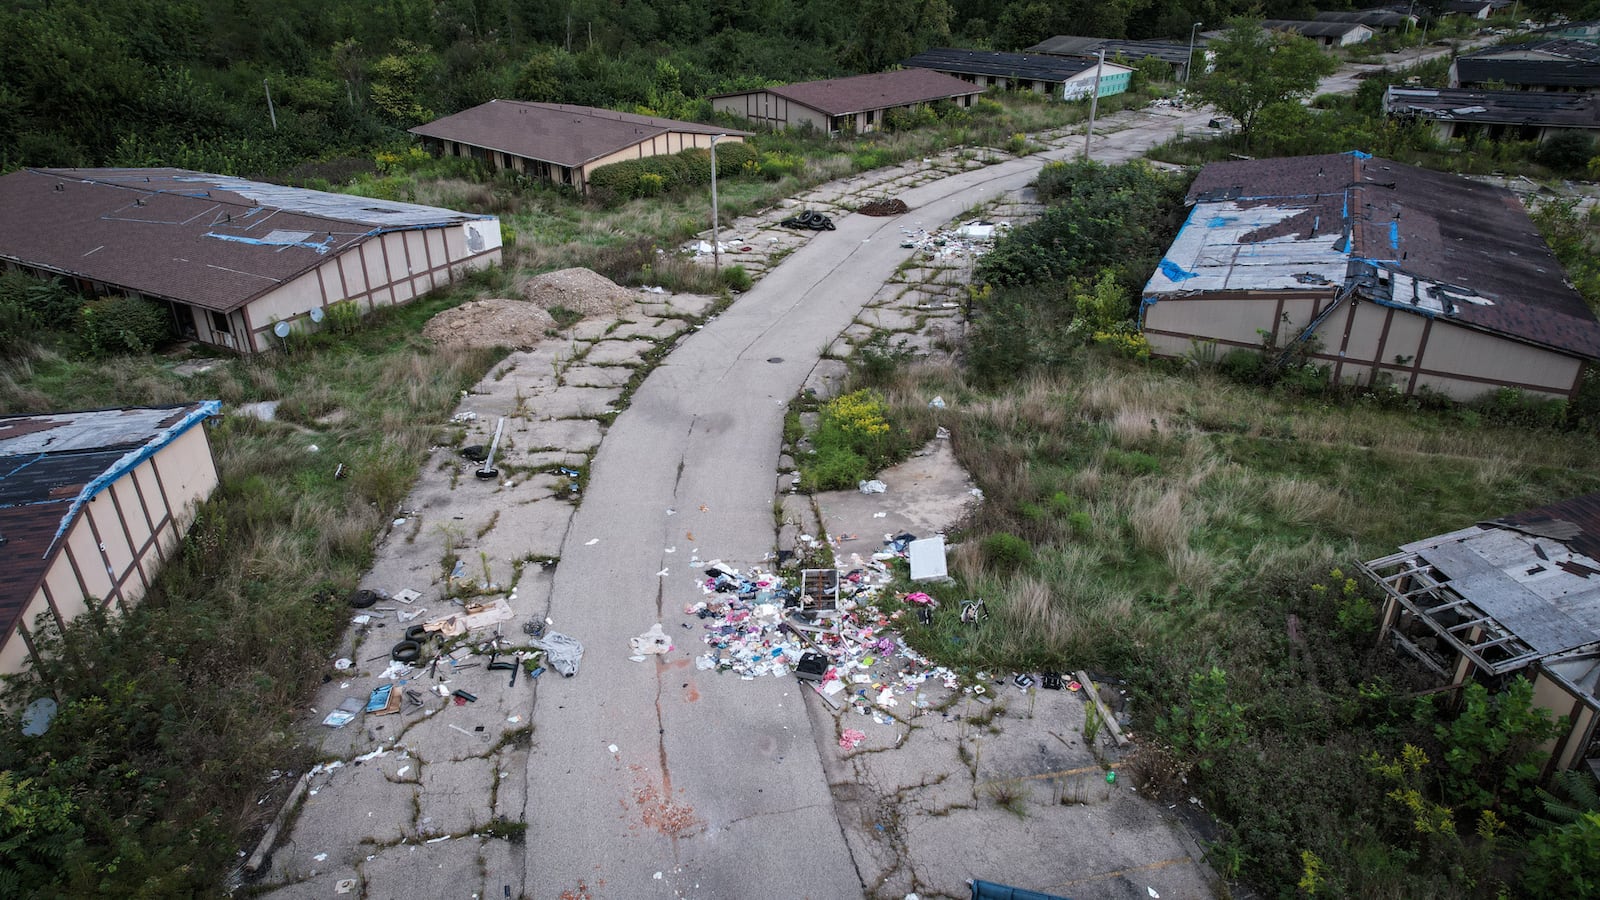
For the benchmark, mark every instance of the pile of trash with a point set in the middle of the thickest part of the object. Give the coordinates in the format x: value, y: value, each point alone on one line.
x: 883, y: 208
x: 825, y: 629
x: 970, y: 239
x: 813, y: 220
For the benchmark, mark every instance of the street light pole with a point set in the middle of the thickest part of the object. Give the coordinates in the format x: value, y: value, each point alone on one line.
x: 1189, y: 66
x: 716, y: 246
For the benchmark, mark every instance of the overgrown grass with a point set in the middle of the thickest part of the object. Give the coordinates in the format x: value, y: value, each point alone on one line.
x: 173, y: 715
x: 1175, y: 522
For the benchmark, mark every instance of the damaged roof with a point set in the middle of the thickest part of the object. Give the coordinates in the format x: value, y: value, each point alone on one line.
x: 1067, y: 45
x: 214, y: 241
x: 1535, y: 573
x: 1555, y: 109
x: 1004, y: 65
x: 1528, y: 72
x: 52, y: 464
x: 1313, y: 29
x: 559, y: 133
x: 859, y: 93
x: 1425, y: 242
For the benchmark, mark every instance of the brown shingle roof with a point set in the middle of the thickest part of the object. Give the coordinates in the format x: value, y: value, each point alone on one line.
x: 555, y: 132
x: 51, y: 464
x: 883, y: 90
x: 211, y: 240
x: 1443, y: 228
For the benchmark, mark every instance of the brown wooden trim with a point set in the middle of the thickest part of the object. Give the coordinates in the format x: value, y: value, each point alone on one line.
x: 105, y: 558
x: 244, y: 312
x: 72, y: 560
x: 1277, y: 323
x: 50, y: 601
x: 416, y: 293
x: 172, y: 518
x: 405, y: 247
x: 388, y: 273
x: 344, y: 285
x: 322, y: 287
x: 1324, y: 357
x: 144, y: 505
x: 1383, y: 339
x: 27, y: 640
x: 366, y: 275
x: 1344, y: 342
x: 1422, y: 346
x: 126, y: 534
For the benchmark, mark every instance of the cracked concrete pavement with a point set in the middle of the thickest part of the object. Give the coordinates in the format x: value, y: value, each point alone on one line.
x: 716, y: 786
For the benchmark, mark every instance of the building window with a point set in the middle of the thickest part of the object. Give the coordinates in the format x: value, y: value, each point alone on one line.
x: 872, y: 116
x: 219, y: 322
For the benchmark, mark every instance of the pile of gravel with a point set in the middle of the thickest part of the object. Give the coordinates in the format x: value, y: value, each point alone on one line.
x: 583, y: 291
x: 490, y: 323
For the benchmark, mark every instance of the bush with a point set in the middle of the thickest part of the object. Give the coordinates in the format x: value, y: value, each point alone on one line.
x: 48, y: 303
x: 1567, y: 152
x: 1006, y: 551
x: 625, y: 180
x: 125, y: 325
x: 1244, y: 366
x: 735, y: 278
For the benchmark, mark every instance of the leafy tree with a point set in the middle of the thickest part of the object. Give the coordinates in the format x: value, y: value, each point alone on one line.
x: 1254, y: 68
x: 1492, y: 748
x: 888, y: 31
x: 402, y: 83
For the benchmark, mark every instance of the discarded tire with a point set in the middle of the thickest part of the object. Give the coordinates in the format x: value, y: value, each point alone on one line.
x: 406, y: 652
x: 813, y: 220
x: 363, y: 598
x: 418, y: 633
x: 477, y: 452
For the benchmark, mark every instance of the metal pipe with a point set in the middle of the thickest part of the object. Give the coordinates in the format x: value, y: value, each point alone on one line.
x: 489, y: 471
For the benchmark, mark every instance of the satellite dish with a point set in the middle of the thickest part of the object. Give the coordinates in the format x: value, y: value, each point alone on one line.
x: 281, y: 329
x: 317, y: 314
x: 37, y: 717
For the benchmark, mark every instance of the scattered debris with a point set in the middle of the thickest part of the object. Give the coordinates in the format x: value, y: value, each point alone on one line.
x: 874, y: 486
x: 561, y: 651
x: 653, y: 641
x: 851, y: 738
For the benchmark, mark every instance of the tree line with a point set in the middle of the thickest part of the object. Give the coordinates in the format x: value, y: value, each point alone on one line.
x: 185, y: 82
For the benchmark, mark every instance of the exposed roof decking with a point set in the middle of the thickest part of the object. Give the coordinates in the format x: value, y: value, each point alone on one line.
x: 1529, y: 72
x: 1539, y: 108
x: 52, y: 464
x: 1420, y: 241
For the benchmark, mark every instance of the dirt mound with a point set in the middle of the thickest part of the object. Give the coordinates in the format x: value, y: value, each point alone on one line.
x: 490, y: 323
x: 583, y: 291
x: 884, y: 208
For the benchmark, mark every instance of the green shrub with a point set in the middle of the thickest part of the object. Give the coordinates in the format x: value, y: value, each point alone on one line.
x: 669, y: 173
x: 1511, y: 406
x: 650, y: 184
x: 115, y: 325
x: 49, y: 303
x: 1006, y: 551
x: 1132, y: 462
x: 736, y: 278
x: 919, y: 116
x: 1244, y: 366
x: 508, y: 235
x: 344, y: 317
x: 16, y: 327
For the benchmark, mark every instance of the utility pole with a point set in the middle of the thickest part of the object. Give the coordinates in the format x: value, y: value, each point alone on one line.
x: 1189, y: 66
x: 716, y: 245
x: 1094, y: 102
x: 270, y: 111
